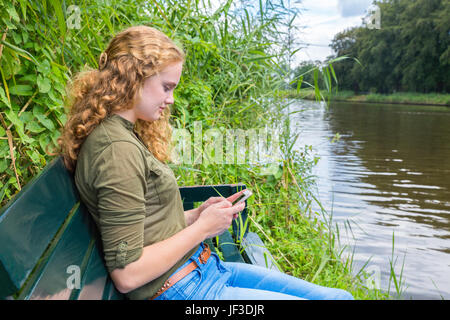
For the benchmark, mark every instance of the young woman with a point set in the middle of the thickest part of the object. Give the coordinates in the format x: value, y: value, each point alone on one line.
x: 116, y: 141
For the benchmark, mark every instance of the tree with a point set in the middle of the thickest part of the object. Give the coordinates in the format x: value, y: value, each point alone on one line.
x: 410, y: 52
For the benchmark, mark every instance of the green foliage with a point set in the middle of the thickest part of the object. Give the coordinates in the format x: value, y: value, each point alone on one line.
x: 409, y: 53
x: 45, y: 42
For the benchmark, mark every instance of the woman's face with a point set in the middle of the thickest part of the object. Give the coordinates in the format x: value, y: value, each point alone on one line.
x: 157, y: 93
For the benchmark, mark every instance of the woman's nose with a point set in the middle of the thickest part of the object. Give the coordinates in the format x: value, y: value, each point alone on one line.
x: 169, y: 99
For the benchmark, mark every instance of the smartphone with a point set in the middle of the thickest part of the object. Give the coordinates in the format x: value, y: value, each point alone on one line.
x: 244, y: 196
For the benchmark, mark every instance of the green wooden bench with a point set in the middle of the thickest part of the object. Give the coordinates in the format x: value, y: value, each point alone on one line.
x: 51, y: 249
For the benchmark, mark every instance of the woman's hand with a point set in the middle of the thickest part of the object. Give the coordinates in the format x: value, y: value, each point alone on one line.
x: 213, y: 200
x: 192, y: 215
x: 209, y: 202
x: 217, y: 218
x: 234, y: 197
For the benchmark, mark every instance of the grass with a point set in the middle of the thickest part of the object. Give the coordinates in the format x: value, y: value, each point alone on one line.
x: 399, y: 283
x: 438, y: 99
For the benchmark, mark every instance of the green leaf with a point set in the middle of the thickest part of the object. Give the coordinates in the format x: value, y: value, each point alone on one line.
x: 18, y: 126
x: 55, y: 135
x: 333, y: 73
x: 9, y: 24
x: 45, y: 121
x: 54, y: 98
x: 17, y: 38
x: 44, y: 67
x: 14, y: 119
x: 60, y: 16
x: 20, y: 51
x: 299, y: 84
x: 25, y: 36
x: 34, y: 156
x: 278, y: 173
x: 29, y: 77
x: 34, y: 127
x: 13, y: 13
x: 3, y: 97
x: 3, y: 165
x: 316, y: 84
x: 26, y: 116
x: 21, y: 90
x: 44, y: 84
x: 60, y: 87
x: 44, y: 140
x: 23, y: 6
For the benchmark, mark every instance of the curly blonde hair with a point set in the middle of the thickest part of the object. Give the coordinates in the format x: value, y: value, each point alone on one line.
x: 133, y: 55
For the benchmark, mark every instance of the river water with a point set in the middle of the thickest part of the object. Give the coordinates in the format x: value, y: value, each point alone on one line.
x: 388, y: 176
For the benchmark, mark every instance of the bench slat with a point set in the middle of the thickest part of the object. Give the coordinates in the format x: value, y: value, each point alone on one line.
x: 110, y: 292
x: 95, y: 277
x: 36, y: 213
x: 229, y: 249
x: 54, y: 279
x: 256, y: 253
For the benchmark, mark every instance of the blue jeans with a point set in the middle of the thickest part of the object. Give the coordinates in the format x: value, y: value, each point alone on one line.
x: 218, y: 280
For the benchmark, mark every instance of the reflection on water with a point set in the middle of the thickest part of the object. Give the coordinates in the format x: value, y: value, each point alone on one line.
x: 388, y: 173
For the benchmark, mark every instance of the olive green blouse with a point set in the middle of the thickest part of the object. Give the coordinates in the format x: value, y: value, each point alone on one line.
x: 133, y: 197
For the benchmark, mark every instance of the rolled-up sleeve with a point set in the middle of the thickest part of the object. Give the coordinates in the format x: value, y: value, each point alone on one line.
x: 120, y: 185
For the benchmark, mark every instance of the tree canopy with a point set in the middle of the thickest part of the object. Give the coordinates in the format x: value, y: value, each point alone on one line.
x: 410, y: 52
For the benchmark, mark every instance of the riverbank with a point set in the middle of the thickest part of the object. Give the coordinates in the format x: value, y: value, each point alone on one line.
x: 433, y: 99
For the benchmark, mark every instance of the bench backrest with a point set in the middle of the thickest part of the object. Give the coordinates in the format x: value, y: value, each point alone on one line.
x: 49, y: 245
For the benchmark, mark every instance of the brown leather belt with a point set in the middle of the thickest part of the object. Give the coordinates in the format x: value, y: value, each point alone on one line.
x: 203, y: 258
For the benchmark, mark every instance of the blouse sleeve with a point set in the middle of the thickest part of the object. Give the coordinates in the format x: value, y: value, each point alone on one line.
x: 120, y: 185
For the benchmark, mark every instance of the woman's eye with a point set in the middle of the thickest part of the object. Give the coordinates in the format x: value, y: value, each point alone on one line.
x: 166, y: 89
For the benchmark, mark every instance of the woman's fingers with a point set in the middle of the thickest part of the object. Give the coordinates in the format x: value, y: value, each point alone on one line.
x: 236, y: 208
x: 209, y: 202
x: 223, y: 203
x: 230, y: 199
x: 235, y: 196
x: 214, y: 200
x: 218, y: 216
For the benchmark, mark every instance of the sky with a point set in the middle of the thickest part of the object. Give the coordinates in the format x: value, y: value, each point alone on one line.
x: 321, y: 20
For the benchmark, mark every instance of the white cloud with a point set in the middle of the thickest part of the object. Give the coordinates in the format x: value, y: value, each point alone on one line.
x: 321, y: 20
x: 350, y: 8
